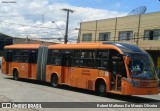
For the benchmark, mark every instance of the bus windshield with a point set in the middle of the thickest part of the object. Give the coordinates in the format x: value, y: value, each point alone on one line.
x: 141, y: 66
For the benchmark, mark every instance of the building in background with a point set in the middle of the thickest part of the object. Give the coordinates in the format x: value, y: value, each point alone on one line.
x: 4, y: 40
x: 141, y: 30
x: 8, y: 40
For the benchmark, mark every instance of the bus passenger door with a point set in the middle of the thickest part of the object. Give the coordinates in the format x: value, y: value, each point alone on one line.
x: 66, y: 67
x: 32, y: 66
x: 117, y: 72
x: 115, y: 76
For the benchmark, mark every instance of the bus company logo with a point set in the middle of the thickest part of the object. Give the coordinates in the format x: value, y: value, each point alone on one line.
x: 6, y: 105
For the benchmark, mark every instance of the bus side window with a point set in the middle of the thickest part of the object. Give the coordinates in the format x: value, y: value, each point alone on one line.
x: 16, y: 56
x: 54, y: 57
x: 33, y: 54
x: 103, y: 60
x: 76, y: 61
x: 67, y: 57
x: 7, y: 54
x: 88, y: 58
x: 25, y: 56
x: 84, y: 58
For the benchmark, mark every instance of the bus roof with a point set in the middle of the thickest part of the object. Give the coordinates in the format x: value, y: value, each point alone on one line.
x: 122, y: 47
x: 23, y: 46
x: 75, y: 46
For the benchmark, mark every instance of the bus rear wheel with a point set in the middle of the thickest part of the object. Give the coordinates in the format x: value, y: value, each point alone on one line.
x: 15, y: 75
x: 54, y: 80
x: 101, y: 88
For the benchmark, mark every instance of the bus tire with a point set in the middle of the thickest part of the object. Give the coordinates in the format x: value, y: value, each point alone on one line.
x: 101, y: 88
x: 15, y: 75
x: 54, y: 80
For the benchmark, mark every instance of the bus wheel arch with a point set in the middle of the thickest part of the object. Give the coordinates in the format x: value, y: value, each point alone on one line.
x: 15, y: 74
x: 100, y: 87
x: 54, y: 80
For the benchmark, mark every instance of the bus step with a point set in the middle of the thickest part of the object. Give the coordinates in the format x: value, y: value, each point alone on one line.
x: 115, y: 92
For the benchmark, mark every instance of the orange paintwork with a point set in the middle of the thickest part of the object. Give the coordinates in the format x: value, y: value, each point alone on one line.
x: 23, y: 46
x: 51, y: 70
x: 25, y: 70
x: 5, y: 66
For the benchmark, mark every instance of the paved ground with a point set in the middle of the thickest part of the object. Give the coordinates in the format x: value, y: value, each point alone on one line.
x: 33, y: 91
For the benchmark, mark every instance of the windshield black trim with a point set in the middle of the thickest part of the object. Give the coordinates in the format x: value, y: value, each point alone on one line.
x: 125, y: 47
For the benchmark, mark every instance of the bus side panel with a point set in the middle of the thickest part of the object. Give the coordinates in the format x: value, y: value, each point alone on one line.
x: 83, y: 78
x: 32, y: 71
x: 77, y: 79
x: 53, y: 69
x: 91, y: 79
x: 126, y: 88
x: 65, y: 75
x: 106, y: 76
x: 10, y: 72
x: 25, y: 70
x: 73, y: 76
x: 4, y: 67
x: 22, y: 69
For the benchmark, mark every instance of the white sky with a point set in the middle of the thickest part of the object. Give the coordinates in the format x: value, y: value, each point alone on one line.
x: 22, y: 18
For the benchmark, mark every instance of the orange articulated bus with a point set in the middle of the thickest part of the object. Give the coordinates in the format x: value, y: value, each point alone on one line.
x: 106, y: 67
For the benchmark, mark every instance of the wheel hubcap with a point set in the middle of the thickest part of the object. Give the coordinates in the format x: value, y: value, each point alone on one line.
x: 101, y: 88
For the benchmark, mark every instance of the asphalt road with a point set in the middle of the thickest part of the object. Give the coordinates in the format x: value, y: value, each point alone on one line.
x: 34, y: 91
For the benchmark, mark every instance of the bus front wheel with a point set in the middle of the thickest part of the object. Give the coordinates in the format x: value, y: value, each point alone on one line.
x: 101, y: 88
x: 15, y: 75
x: 54, y: 80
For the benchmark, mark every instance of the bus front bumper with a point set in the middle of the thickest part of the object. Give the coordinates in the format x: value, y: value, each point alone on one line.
x: 139, y: 87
